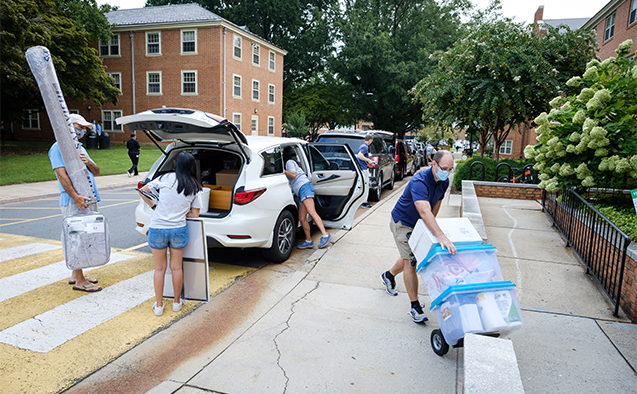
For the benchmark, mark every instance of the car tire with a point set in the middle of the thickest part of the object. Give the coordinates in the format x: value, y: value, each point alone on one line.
x: 390, y: 185
x: 283, y: 239
x: 374, y: 194
x: 401, y: 173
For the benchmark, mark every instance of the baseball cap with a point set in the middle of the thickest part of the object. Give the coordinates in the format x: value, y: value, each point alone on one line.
x: 79, y: 119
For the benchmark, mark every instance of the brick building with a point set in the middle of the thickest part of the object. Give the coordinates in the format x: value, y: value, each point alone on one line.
x: 614, y: 24
x: 187, y: 57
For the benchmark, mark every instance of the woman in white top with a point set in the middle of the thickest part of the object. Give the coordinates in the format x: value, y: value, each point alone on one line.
x: 178, y: 198
x: 303, y: 188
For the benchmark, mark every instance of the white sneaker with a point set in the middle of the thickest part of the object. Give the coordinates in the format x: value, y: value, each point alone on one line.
x: 417, y: 316
x: 159, y: 310
x: 177, y: 306
x: 129, y: 174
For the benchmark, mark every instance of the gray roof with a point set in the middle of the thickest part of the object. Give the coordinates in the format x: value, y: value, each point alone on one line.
x: 572, y: 23
x: 161, y: 15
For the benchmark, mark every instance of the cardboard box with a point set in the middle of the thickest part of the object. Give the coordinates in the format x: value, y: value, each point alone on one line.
x: 460, y: 231
x: 226, y: 177
x: 220, y: 196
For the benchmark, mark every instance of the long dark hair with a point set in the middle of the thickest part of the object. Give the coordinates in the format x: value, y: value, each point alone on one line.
x: 186, y: 171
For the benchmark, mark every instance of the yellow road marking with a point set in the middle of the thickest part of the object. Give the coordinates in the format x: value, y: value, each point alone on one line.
x: 134, y: 247
x: 27, y: 371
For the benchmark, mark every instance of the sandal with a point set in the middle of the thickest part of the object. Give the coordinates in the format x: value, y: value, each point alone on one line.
x: 92, y: 280
x: 89, y: 288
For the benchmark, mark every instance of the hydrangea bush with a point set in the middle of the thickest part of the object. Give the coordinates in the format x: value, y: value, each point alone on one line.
x: 590, y: 139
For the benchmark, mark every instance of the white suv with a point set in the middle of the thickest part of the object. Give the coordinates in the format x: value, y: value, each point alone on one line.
x: 249, y: 201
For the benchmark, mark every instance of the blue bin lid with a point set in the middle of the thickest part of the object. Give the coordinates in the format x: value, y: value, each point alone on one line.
x: 474, y: 286
x: 461, y: 248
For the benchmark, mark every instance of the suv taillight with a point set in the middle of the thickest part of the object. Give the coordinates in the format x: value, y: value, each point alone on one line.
x: 397, y: 158
x: 374, y: 159
x: 243, y: 198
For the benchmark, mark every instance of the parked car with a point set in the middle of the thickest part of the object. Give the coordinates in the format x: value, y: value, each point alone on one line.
x: 250, y: 203
x: 381, y: 174
x: 419, y: 157
x: 404, y: 160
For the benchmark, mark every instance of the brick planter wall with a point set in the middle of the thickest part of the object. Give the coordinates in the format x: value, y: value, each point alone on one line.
x: 508, y: 190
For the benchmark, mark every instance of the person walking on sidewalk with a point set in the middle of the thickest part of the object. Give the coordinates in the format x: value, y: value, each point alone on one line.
x: 421, y: 199
x: 72, y: 203
x: 303, y: 188
x: 364, y: 161
x: 133, y: 153
x: 179, y: 197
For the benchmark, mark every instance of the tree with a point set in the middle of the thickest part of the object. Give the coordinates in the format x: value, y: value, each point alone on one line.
x: 501, y: 74
x: 296, y: 125
x: 385, y: 50
x: 26, y: 23
x: 88, y: 16
x: 590, y: 139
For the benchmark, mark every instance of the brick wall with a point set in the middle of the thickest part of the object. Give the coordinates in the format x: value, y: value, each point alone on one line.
x: 623, y: 31
x: 508, y: 190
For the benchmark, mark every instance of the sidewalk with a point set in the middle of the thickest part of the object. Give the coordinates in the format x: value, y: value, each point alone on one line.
x: 327, y: 325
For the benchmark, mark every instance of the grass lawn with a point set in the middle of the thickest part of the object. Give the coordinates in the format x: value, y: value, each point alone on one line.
x: 37, y: 167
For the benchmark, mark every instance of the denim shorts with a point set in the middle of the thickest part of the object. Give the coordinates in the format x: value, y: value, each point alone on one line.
x: 162, y: 238
x: 306, y: 191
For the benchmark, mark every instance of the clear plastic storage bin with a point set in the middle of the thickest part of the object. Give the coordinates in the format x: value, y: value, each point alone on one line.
x: 477, y: 308
x: 470, y: 265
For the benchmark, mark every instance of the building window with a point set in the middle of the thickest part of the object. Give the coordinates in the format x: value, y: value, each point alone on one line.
x: 189, y: 82
x: 74, y: 111
x: 272, y: 63
x: 270, y: 125
x: 154, y: 82
x: 153, y: 43
x: 189, y: 41
x: 237, y: 47
x: 632, y: 16
x: 236, y: 86
x: 255, y: 90
x: 110, y: 49
x: 236, y: 119
x: 108, y: 120
x: 256, y: 54
x: 271, y: 94
x: 254, y: 125
x: 117, y: 77
x: 609, y: 32
x: 505, y: 148
x: 31, y: 120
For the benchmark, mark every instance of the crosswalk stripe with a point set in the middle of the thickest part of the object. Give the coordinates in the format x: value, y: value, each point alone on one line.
x: 24, y: 282
x: 53, y: 328
x: 25, y: 250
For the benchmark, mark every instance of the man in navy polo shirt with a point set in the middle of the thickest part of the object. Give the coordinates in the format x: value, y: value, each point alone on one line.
x: 420, y: 199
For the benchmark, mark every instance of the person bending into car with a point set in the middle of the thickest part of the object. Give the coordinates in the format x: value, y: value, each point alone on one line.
x: 421, y: 199
x: 303, y: 188
x: 364, y: 161
x: 179, y: 197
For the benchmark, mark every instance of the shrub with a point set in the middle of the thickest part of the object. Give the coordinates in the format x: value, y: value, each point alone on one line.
x: 462, y: 169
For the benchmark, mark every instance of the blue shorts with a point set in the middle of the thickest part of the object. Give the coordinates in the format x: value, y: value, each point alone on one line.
x: 306, y: 191
x: 162, y: 238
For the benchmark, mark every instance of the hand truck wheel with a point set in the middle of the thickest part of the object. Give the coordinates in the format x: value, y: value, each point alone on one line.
x: 438, y: 343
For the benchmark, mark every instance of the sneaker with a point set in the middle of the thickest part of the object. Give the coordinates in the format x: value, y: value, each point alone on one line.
x: 366, y: 205
x: 419, y: 317
x: 390, y: 286
x: 306, y: 245
x: 177, y: 306
x: 129, y: 174
x: 324, y: 240
x: 159, y: 310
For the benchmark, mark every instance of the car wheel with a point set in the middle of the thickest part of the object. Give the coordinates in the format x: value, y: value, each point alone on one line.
x: 390, y: 186
x: 401, y: 173
x: 374, y: 194
x: 283, y: 239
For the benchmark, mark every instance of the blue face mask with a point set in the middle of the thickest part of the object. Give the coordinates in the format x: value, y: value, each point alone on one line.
x: 442, y: 175
x: 79, y: 132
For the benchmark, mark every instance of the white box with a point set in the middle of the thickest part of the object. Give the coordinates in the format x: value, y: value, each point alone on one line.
x: 205, y: 200
x: 460, y: 231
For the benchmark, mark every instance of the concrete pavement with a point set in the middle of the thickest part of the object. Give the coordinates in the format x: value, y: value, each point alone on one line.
x: 325, y: 323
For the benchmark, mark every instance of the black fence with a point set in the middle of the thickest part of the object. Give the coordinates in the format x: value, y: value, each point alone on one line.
x: 598, y: 242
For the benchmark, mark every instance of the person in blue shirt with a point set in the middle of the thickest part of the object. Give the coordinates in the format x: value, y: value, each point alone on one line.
x: 421, y: 199
x: 364, y: 161
x: 70, y: 201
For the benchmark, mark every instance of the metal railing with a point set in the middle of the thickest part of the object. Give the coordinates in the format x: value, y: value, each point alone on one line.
x: 600, y: 244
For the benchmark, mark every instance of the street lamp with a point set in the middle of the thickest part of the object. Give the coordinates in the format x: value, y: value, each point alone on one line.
x: 356, y: 108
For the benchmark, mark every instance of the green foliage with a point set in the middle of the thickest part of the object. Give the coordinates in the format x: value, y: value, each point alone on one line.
x: 296, y: 125
x: 26, y: 23
x: 590, y: 139
x: 501, y: 74
x: 87, y: 16
x: 621, y: 212
x: 462, y: 169
x: 385, y: 50
x: 37, y: 168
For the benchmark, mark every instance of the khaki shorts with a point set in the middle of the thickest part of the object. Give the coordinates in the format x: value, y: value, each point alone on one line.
x: 400, y: 236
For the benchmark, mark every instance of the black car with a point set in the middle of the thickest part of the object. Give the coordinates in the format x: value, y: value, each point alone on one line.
x: 382, y: 173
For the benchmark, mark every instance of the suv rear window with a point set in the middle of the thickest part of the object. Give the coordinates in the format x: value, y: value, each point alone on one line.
x: 353, y: 142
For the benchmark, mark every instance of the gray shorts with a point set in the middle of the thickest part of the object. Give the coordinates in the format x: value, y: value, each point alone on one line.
x: 400, y: 236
